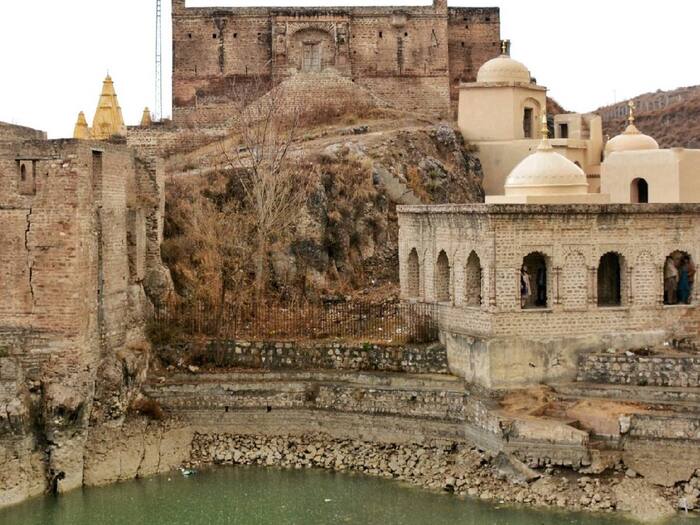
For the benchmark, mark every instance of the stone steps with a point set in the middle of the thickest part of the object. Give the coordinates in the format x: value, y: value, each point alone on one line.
x: 676, y: 399
x: 366, y: 379
x: 435, y: 397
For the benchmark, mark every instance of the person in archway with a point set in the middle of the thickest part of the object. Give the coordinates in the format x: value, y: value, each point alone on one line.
x: 541, y: 286
x: 525, y: 287
x: 670, y: 281
x: 684, y: 280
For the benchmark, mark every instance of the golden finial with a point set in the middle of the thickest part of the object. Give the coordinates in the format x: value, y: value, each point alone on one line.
x: 505, y: 44
x: 545, y: 128
x: 631, y: 107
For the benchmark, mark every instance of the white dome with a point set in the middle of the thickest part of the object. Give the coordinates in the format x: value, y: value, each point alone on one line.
x: 630, y: 140
x: 503, y: 69
x: 546, y: 172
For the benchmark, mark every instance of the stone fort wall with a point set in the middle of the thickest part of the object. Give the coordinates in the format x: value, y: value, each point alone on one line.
x: 412, y: 57
x: 14, y: 133
x: 82, y: 226
x: 78, y: 216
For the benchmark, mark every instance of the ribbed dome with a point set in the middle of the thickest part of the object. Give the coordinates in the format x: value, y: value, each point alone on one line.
x: 632, y: 139
x: 546, y: 172
x: 503, y: 69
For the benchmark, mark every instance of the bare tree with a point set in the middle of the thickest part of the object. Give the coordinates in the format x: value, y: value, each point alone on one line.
x: 270, y: 167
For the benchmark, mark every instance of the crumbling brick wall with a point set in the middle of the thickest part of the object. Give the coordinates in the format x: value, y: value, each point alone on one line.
x: 412, y: 57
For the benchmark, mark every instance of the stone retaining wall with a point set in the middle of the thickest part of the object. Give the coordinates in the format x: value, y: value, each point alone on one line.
x: 675, y: 427
x: 430, y: 359
x: 374, y: 395
x: 676, y: 371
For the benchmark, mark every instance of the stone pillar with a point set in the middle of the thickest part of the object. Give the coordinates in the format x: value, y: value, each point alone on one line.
x: 630, y: 291
x: 593, y: 286
x: 556, y: 293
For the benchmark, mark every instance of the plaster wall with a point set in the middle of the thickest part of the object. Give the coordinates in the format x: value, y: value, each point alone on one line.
x: 494, y: 111
x: 660, y: 168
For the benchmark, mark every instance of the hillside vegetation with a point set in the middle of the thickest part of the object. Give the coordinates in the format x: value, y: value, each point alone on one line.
x: 675, y: 125
x: 343, y: 242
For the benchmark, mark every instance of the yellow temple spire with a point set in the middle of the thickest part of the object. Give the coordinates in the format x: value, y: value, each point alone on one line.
x: 81, y: 130
x: 146, y: 120
x: 108, y: 119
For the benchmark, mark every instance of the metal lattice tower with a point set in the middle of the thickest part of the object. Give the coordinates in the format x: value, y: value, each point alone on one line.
x: 158, y: 109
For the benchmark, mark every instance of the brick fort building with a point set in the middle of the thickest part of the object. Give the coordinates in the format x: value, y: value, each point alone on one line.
x: 413, y: 58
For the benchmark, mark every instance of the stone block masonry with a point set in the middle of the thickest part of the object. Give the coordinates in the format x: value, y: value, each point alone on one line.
x: 14, y: 133
x: 412, y: 57
x: 431, y: 359
x: 81, y: 232
x: 654, y: 370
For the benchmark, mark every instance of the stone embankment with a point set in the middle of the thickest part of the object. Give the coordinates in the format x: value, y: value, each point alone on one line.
x: 669, y: 369
x: 455, y: 468
x: 327, y: 355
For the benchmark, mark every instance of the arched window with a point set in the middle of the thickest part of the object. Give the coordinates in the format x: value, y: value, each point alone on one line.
x: 472, y: 281
x: 533, y: 281
x: 442, y: 278
x: 23, y: 173
x: 679, y: 278
x: 639, y: 191
x: 413, y: 275
x: 610, y: 279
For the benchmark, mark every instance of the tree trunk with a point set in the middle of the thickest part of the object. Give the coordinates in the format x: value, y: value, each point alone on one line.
x: 260, y: 256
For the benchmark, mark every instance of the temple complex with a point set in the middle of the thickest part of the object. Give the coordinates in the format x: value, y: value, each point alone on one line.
x: 549, y: 270
x: 499, y: 114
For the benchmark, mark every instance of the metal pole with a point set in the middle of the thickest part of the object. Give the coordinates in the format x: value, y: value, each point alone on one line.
x: 158, y: 109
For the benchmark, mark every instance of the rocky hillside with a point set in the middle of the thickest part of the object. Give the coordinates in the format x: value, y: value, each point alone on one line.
x: 671, y: 117
x: 345, y: 243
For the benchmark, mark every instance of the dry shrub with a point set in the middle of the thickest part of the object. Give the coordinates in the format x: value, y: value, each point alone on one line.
x: 148, y: 407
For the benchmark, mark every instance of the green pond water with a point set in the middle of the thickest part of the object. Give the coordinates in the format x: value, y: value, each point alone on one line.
x: 258, y: 496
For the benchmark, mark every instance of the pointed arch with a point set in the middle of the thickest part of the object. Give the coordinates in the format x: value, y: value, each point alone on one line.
x: 413, y: 275
x: 442, y: 278
x: 611, y: 269
x: 473, y: 280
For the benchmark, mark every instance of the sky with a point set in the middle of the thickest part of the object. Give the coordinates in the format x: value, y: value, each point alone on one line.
x: 589, y: 53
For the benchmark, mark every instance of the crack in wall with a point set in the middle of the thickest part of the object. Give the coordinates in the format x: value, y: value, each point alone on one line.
x: 144, y: 439
x: 30, y: 259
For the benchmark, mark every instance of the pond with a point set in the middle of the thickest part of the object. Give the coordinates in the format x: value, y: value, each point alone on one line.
x: 258, y: 496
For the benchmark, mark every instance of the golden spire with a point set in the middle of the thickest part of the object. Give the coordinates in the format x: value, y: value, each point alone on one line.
x: 108, y: 118
x: 630, y: 117
x: 545, y: 128
x: 545, y: 145
x: 505, y: 44
x: 146, y: 120
x: 81, y: 130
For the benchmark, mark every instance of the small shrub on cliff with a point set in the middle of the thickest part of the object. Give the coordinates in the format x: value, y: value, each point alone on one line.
x: 163, y: 333
x: 149, y: 408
